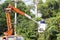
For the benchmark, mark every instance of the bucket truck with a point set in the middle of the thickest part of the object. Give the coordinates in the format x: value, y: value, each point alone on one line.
x: 9, y: 32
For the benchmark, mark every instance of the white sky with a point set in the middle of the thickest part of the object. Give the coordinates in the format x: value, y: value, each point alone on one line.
x: 28, y: 2
x: 44, y: 1
x: 2, y: 1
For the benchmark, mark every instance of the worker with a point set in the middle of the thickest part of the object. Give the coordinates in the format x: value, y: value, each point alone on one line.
x: 41, y: 25
x: 42, y: 21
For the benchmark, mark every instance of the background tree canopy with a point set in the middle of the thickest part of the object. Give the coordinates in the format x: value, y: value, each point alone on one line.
x: 51, y: 10
x: 27, y: 28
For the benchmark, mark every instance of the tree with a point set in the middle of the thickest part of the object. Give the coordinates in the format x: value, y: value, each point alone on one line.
x: 50, y: 11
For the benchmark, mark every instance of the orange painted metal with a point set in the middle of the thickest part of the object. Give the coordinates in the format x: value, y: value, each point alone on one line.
x: 16, y: 10
x: 9, y: 25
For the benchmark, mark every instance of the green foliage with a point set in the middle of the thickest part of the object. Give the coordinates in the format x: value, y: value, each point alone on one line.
x: 25, y: 27
x: 3, y: 18
x: 53, y: 28
x: 49, y: 9
x: 58, y: 36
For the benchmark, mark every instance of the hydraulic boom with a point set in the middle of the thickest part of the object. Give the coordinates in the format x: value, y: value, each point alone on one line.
x: 9, y: 25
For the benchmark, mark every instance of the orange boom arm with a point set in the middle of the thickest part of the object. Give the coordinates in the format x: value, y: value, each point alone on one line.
x: 16, y: 10
x: 9, y: 25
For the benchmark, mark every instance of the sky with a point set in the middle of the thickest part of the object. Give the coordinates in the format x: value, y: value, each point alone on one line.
x: 28, y: 2
x: 2, y: 1
x: 44, y: 1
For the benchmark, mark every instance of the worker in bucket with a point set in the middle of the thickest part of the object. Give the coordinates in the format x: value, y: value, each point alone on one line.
x: 41, y: 25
